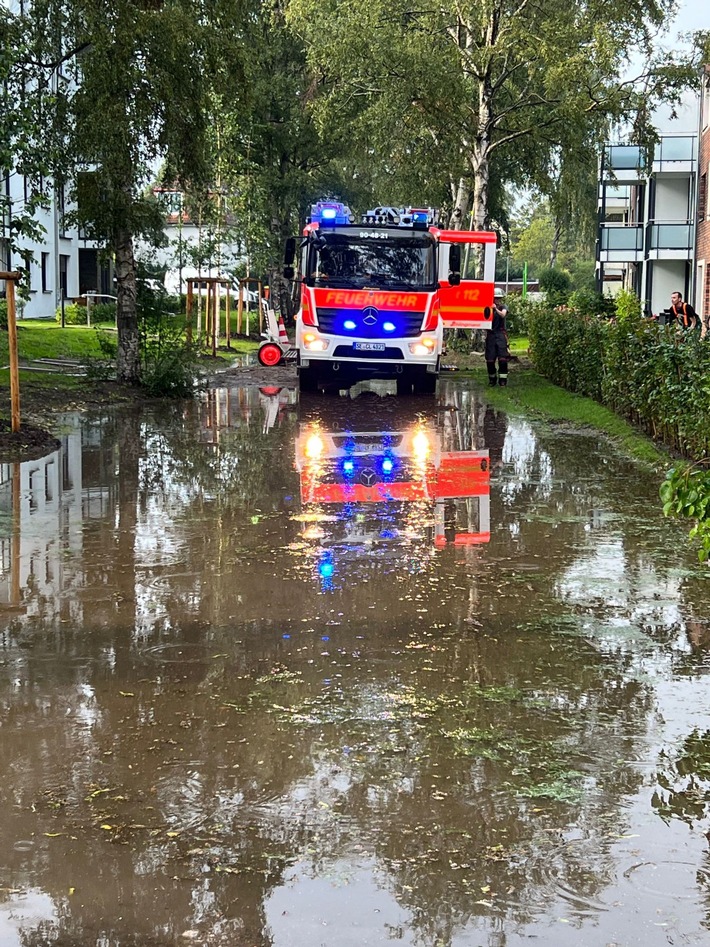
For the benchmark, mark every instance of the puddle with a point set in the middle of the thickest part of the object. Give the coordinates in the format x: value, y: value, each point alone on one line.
x: 344, y: 671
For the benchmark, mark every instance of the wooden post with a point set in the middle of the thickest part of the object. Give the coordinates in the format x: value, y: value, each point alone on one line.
x: 227, y: 326
x: 188, y: 313
x: 208, y: 316
x: 10, y: 280
x: 215, y: 318
x: 240, y: 307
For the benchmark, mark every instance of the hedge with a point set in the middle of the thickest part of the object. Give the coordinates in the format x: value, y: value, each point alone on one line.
x: 658, y: 377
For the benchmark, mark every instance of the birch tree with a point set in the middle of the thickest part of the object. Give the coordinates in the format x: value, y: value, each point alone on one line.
x: 486, y: 83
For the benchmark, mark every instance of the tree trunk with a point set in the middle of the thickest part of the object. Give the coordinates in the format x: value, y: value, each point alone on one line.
x: 480, y: 159
x: 128, y: 365
x: 555, y: 243
x: 461, y: 202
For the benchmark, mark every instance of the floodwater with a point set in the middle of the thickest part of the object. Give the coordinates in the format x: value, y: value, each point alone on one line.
x: 348, y: 672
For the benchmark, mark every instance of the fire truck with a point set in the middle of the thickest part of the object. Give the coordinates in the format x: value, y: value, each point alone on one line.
x: 377, y: 295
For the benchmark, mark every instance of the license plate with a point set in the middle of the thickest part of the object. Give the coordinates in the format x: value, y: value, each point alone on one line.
x: 369, y: 346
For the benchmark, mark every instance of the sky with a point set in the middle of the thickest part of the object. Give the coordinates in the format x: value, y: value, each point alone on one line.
x: 692, y: 15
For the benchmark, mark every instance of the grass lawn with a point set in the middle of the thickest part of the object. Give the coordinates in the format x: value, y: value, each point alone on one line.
x: 46, y: 339
x: 530, y: 392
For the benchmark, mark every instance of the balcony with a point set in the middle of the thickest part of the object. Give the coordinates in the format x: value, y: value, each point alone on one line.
x: 670, y: 240
x: 624, y: 164
x: 613, y: 199
x: 675, y: 154
x: 621, y: 243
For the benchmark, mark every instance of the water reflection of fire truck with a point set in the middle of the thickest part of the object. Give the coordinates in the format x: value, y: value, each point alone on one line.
x: 390, y: 485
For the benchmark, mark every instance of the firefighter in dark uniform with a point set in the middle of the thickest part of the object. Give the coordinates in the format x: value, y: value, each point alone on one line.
x: 497, y: 344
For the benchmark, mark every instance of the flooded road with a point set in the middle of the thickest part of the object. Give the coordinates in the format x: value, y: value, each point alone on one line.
x: 348, y: 672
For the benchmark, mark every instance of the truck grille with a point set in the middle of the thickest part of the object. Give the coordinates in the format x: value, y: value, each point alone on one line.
x: 407, y: 324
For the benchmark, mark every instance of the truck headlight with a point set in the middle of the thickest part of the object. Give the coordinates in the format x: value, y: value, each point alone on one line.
x: 424, y: 346
x: 314, y: 343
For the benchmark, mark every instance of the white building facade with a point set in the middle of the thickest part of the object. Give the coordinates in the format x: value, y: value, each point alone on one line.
x: 62, y: 263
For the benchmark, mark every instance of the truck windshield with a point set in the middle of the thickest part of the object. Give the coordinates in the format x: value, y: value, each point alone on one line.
x: 352, y: 260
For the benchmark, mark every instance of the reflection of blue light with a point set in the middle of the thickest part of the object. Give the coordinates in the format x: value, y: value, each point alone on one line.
x: 388, y: 533
x: 326, y: 566
x: 387, y: 465
x: 326, y: 571
x: 389, y: 326
x: 348, y: 466
x: 349, y: 324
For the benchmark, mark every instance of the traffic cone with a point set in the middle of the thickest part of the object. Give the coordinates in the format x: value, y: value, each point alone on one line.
x: 283, y: 336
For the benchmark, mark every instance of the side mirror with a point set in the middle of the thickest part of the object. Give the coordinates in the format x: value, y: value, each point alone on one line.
x: 289, y: 253
x: 289, y: 272
x: 454, y: 264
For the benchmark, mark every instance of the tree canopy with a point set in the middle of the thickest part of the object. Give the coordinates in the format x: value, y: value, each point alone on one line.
x: 268, y: 106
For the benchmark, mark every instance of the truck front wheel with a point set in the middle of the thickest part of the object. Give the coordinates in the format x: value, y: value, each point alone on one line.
x: 425, y: 384
x: 307, y: 380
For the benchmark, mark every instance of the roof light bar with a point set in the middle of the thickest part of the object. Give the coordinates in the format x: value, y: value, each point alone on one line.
x: 331, y: 214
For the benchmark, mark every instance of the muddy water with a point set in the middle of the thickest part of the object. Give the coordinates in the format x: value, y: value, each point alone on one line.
x: 348, y: 672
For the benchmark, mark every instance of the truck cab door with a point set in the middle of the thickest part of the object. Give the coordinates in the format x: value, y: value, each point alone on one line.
x: 468, y: 303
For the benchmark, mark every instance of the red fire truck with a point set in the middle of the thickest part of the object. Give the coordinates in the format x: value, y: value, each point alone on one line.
x: 377, y: 295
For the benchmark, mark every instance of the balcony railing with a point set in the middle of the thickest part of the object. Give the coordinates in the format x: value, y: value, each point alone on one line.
x: 622, y: 237
x: 624, y: 158
x: 673, y: 149
x: 671, y: 236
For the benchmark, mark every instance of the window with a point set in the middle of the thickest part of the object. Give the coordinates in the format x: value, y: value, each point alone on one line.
x: 27, y: 263
x: 45, y: 272
x: 64, y: 274
x: 60, y: 197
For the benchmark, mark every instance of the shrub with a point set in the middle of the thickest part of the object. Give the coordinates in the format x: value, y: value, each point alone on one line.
x: 74, y: 314
x: 103, y: 312
x: 3, y: 314
x: 652, y: 375
x: 588, y: 302
x: 170, y: 372
x: 169, y: 366
x: 519, y: 310
x: 555, y: 283
x: 628, y: 306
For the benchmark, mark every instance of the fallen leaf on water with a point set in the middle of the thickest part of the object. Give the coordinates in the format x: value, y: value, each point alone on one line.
x: 126, y: 694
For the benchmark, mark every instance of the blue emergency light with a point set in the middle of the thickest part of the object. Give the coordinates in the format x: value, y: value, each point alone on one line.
x: 331, y: 214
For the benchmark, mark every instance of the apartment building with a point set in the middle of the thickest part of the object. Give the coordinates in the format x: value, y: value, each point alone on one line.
x: 647, y: 219
x: 64, y: 263
x: 702, y: 279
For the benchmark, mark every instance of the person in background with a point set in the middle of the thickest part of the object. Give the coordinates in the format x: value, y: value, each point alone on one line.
x: 685, y: 315
x: 497, y: 343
